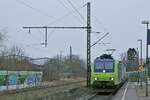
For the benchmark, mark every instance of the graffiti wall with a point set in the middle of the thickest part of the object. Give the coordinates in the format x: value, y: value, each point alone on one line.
x: 19, y: 79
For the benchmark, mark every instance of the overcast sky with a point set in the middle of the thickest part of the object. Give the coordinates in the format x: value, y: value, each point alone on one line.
x: 122, y: 18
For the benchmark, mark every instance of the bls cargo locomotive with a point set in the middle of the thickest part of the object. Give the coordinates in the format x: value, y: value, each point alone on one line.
x: 107, y: 72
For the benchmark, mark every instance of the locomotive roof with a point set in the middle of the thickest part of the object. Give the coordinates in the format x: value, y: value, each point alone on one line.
x: 104, y: 59
x: 105, y: 56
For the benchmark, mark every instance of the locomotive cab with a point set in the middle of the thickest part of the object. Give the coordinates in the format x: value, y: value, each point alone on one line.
x: 107, y: 72
x: 103, y: 72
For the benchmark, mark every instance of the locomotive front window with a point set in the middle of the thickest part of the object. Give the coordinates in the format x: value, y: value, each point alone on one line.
x: 109, y: 65
x: 99, y: 65
x: 104, y: 65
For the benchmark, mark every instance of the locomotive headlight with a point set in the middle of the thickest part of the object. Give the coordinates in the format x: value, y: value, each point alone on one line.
x: 112, y: 78
x: 95, y: 78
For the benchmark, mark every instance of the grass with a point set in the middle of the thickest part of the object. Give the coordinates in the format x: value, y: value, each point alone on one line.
x: 29, y: 95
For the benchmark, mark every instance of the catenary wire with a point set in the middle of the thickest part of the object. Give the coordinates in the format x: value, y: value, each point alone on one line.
x: 33, y: 8
x: 76, y: 10
x: 69, y: 11
x: 64, y: 16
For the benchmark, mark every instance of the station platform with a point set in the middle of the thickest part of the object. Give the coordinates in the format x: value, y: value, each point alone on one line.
x: 132, y: 91
x: 141, y: 91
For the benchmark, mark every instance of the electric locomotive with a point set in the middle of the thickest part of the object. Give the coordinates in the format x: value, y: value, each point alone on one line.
x: 107, y: 72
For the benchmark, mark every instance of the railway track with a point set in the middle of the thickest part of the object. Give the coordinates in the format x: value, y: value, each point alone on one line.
x: 99, y: 95
x: 37, y: 88
x: 88, y: 97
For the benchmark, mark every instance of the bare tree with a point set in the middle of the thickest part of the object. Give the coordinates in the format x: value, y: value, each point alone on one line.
x: 16, y: 52
x: 52, y: 69
x: 2, y: 36
x: 57, y: 68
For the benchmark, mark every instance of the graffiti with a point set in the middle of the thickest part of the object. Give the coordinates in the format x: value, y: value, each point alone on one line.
x: 13, y: 79
x: 27, y: 78
x: 3, y: 77
x: 31, y: 79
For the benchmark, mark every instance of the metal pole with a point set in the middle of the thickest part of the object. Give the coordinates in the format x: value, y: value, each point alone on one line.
x: 46, y: 29
x: 141, y: 52
x: 45, y: 36
x: 7, y: 80
x: 88, y: 44
x: 54, y: 27
x: 138, y: 65
x: 147, y: 62
x: 141, y: 59
x: 146, y: 66
x: 71, y: 61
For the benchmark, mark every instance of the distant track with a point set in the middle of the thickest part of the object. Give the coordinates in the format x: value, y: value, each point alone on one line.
x: 37, y: 88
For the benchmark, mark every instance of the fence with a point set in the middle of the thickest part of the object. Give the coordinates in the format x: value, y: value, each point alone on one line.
x: 135, y: 76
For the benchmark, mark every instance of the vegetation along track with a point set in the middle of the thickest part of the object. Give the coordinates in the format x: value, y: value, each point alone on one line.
x: 37, y: 88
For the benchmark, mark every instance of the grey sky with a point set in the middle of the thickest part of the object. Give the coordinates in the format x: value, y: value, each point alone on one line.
x: 122, y: 18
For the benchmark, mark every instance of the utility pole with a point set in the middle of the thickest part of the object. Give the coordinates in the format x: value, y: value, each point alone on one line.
x: 88, y: 44
x: 71, y: 61
x: 46, y: 37
x: 138, y: 57
x: 141, y: 64
x: 88, y: 28
x: 147, y: 62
